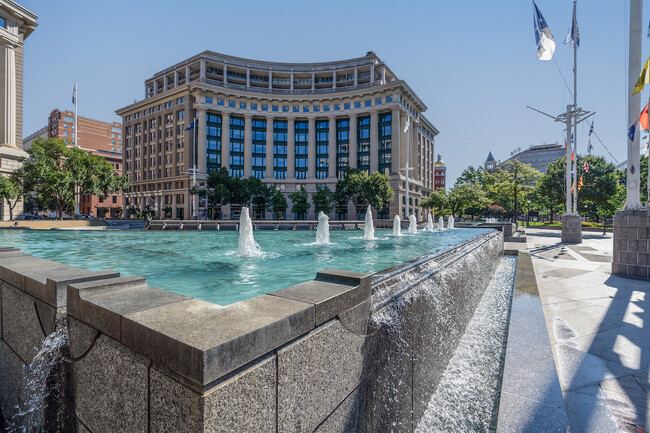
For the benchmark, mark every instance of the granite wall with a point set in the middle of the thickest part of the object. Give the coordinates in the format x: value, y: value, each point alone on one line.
x: 346, y: 352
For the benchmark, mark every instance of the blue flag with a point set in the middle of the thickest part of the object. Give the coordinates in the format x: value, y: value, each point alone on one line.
x: 573, y: 37
x: 589, y: 147
x: 630, y: 133
x: 591, y: 129
x: 190, y: 127
x: 649, y: 30
x: 543, y: 37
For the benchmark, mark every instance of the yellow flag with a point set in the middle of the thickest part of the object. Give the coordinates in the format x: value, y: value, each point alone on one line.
x: 644, y: 78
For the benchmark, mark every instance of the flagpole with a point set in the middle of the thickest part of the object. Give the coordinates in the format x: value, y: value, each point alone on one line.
x: 575, y: 107
x: 634, y: 103
x: 567, y: 173
x: 196, y: 134
x: 646, y: 152
x: 76, y: 144
x: 408, y: 147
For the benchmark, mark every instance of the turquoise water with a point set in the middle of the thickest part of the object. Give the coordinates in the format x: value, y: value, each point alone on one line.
x: 204, y: 264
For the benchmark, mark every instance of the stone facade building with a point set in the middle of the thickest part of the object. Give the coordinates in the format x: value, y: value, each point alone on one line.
x: 16, y: 24
x: 290, y: 125
x: 540, y: 156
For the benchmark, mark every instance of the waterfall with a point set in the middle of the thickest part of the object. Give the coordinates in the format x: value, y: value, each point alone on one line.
x: 37, y: 381
x: 368, y: 227
x: 429, y: 223
x: 413, y: 224
x: 450, y: 222
x: 397, y: 226
x: 247, y: 245
x: 441, y: 223
x: 323, y: 229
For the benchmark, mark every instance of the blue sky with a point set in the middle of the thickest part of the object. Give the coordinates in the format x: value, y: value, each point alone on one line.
x: 472, y: 62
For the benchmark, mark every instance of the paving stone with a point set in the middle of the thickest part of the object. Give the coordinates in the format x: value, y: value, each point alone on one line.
x: 111, y: 388
x: 204, y: 341
x: 329, y: 359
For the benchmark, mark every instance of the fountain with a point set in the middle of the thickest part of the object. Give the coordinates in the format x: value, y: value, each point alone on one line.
x: 450, y: 222
x: 429, y: 223
x: 413, y: 224
x: 397, y: 226
x: 368, y: 227
x: 247, y: 245
x: 323, y: 229
x: 441, y: 224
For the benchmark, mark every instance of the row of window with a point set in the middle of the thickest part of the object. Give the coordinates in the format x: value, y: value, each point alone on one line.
x: 152, y: 110
x: 296, y: 108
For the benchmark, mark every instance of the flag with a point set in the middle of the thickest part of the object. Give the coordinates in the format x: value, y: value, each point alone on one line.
x: 630, y: 133
x: 649, y: 30
x: 543, y: 36
x: 189, y: 128
x: 573, y: 156
x: 565, y: 142
x: 586, y: 166
x: 580, y: 183
x: 572, y: 139
x: 573, y: 188
x: 407, y: 124
x: 645, y: 146
x: 591, y: 128
x: 643, y: 118
x: 644, y: 79
x: 589, y: 147
x: 74, y: 94
x: 573, y: 37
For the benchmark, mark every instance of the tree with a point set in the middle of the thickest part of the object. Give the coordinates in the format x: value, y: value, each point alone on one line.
x: 55, y: 171
x: 300, y: 201
x: 463, y: 196
x: 133, y: 211
x: 514, y: 180
x: 13, y: 189
x: 118, y: 211
x: 364, y: 189
x: 168, y: 210
x: 278, y: 202
x: 597, y: 197
x: 323, y: 200
x: 436, y: 200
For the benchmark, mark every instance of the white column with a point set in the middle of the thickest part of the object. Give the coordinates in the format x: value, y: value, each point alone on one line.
x: 248, y: 77
x: 225, y: 73
x: 356, y: 76
x: 155, y: 87
x: 291, y: 81
x: 8, y: 89
x: 202, y: 74
x: 270, y: 80
x: 372, y: 73
x: 313, y: 80
x: 165, y: 83
x: 187, y: 74
x: 175, y: 78
x: 383, y: 75
x: 334, y: 80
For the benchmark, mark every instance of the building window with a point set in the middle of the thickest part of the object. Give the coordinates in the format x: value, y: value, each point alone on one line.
x: 385, y: 143
x: 231, y: 104
x: 254, y: 107
x: 301, y: 135
x: 3, y: 23
x: 213, y: 141
x: 242, y: 105
x: 219, y: 101
x: 378, y: 101
x: 208, y: 100
x: 237, y: 146
x: 326, y: 108
x: 322, y: 148
x: 342, y: 146
x: 357, y: 105
x: 259, y: 148
x: 280, y: 149
x: 363, y: 143
x: 389, y: 99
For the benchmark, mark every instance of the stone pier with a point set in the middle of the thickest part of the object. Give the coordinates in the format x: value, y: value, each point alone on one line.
x: 631, y: 239
x: 571, y: 229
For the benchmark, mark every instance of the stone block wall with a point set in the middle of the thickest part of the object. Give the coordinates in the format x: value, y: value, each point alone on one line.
x: 345, y: 352
x: 631, y: 239
x: 571, y: 229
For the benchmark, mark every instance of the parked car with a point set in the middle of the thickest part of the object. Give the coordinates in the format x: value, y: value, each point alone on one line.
x: 30, y: 216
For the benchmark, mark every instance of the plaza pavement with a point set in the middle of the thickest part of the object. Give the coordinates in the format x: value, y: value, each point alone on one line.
x: 596, y: 334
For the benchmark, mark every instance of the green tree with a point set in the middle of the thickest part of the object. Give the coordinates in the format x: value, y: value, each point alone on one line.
x: 133, y: 211
x: 278, y: 203
x: 168, y: 210
x: 363, y: 190
x: 13, y: 189
x: 118, y: 211
x: 514, y: 180
x: 323, y: 200
x: 55, y: 171
x: 300, y: 202
x: 463, y: 196
x: 597, y: 197
x: 436, y: 200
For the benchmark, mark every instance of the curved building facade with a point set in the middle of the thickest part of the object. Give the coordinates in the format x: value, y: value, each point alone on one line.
x: 291, y: 125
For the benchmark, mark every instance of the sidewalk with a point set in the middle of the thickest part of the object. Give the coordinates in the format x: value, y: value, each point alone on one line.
x: 598, y: 329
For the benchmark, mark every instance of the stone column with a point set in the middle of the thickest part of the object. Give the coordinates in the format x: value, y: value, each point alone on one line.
x: 155, y: 87
x: 187, y: 74
x: 291, y: 148
x: 372, y: 73
x: 248, y: 144
x: 356, y: 76
x: 225, y: 74
x: 270, y: 79
x: 374, y: 141
x: 396, y: 131
x: 269, y: 147
x: 165, y: 82
x: 8, y: 96
x: 248, y: 77
x: 383, y: 75
x: 202, y: 144
x: 202, y: 70
x: 331, y: 163
x: 291, y: 86
x: 225, y: 140
x: 311, y: 149
x: 353, y: 141
x: 313, y: 80
x: 334, y: 80
x: 175, y: 78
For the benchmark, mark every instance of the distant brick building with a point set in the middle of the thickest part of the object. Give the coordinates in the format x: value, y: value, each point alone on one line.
x: 439, y: 174
x: 97, y: 138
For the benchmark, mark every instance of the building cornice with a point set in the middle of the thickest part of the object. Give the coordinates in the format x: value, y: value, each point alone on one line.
x: 25, y: 18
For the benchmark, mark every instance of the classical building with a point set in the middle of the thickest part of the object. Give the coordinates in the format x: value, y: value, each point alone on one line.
x: 439, y: 174
x: 16, y: 24
x: 540, y: 156
x: 290, y: 125
x: 95, y: 137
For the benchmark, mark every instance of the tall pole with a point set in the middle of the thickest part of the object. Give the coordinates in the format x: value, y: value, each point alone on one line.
x: 575, y: 124
x: 648, y: 144
x: 634, y: 104
x: 76, y: 144
x: 196, y: 135
x: 567, y: 174
x: 408, y: 147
